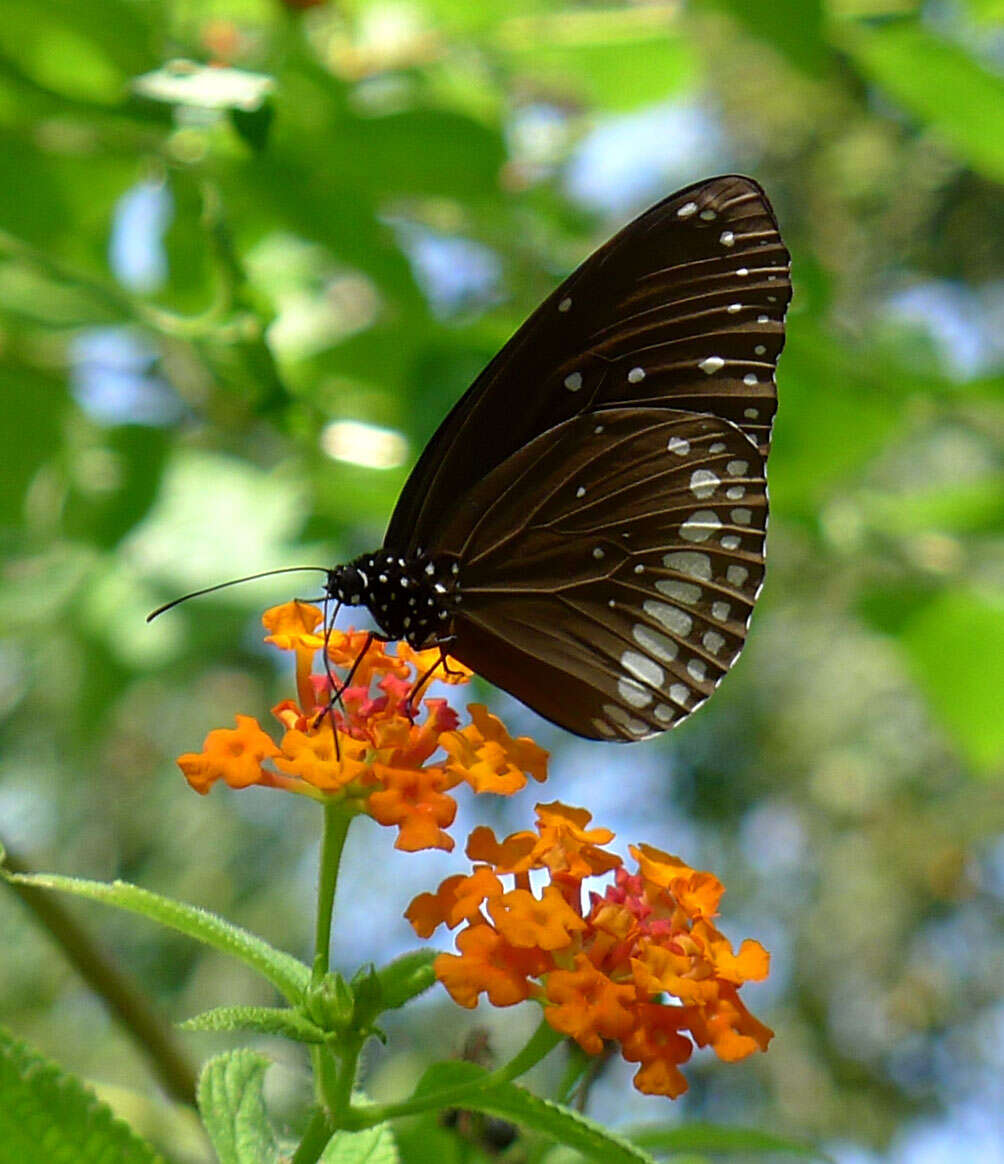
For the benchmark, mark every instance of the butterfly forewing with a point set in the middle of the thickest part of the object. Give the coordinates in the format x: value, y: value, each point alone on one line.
x: 610, y: 566
x: 684, y: 310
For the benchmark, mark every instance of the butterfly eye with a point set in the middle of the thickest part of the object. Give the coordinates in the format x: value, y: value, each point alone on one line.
x: 594, y: 508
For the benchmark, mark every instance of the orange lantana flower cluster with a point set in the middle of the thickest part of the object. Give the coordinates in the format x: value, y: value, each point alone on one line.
x: 641, y: 964
x: 372, y: 747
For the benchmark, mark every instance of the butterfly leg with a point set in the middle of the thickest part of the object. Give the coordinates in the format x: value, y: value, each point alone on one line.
x: 337, y: 689
x: 410, y: 710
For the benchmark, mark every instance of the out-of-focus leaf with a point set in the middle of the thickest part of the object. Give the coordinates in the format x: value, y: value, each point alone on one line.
x: 115, y: 483
x: 717, y: 1138
x: 600, y: 58
x: 66, y: 46
x: 939, y: 84
x: 47, y: 1114
x: 955, y: 645
x: 962, y: 508
x: 794, y: 27
x: 835, y: 412
x: 31, y: 407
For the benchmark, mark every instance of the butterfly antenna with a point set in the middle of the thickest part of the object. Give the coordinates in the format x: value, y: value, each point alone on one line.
x: 233, y: 582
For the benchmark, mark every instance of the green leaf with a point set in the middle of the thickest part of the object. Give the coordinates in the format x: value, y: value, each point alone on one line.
x: 407, y: 977
x: 514, y: 1103
x: 266, y: 1020
x: 289, y: 976
x: 793, y: 27
x: 232, y: 1104
x: 48, y: 1114
x: 939, y: 84
x: 615, y: 61
x: 371, y: 1146
x: 955, y: 645
x: 702, y: 1137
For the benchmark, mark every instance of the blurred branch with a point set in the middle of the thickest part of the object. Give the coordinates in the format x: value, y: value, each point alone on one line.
x: 229, y: 318
x: 130, y: 1005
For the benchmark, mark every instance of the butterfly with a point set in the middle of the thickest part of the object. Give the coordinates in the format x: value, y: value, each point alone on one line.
x: 586, y: 528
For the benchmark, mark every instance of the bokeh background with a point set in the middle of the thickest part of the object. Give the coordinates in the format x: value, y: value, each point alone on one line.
x: 251, y: 252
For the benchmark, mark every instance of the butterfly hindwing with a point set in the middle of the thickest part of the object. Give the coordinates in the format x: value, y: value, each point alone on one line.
x: 683, y: 309
x: 610, y: 567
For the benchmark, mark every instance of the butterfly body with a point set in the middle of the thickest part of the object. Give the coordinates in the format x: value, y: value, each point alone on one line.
x: 412, y: 599
x: 586, y: 528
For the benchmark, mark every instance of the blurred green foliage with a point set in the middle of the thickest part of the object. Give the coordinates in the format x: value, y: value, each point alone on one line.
x: 198, y: 276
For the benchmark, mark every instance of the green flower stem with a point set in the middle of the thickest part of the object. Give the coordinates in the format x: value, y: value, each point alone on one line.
x: 336, y: 827
x: 542, y: 1043
x: 315, y: 1138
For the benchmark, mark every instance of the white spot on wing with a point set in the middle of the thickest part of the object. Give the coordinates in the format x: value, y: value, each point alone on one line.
x: 573, y: 382
x: 734, y: 308
x: 565, y: 304
x: 634, y: 727
x: 687, y: 210
x: 711, y: 364
x: 633, y: 693
x: 688, y: 592
x: 742, y: 516
x: 679, y: 693
x: 703, y: 483
x: 709, y: 215
x: 731, y: 542
x: 749, y: 379
x: 700, y: 526
x: 678, y: 445
x: 655, y: 643
x: 674, y: 620
x: 713, y: 641
x: 726, y: 238
x: 696, y: 669
x: 643, y: 668
x: 737, y: 575
x: 636, y: 375
x: 720, y: 611
x: 736, y: 493
x: 664, y: 714
x: 691, y: 562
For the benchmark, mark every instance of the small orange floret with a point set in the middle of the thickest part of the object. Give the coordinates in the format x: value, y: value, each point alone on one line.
x: 489, y: 759
x: 657, y: 1044
x: 588, y: 1006
x: 413, y: 800
x: 548, y: 923
x: 487, y: 964
x: 313, y: 758
x: 457, y: 900
x: 232, y: 755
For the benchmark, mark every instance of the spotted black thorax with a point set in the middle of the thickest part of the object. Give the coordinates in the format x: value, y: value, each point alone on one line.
x: 412, y: 599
